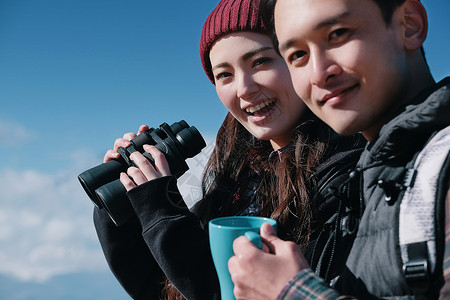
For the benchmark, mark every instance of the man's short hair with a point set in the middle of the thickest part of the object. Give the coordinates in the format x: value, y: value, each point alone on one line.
x: 267, y: 8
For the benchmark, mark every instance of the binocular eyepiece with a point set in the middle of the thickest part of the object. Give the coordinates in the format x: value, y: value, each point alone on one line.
x: 178, y: 142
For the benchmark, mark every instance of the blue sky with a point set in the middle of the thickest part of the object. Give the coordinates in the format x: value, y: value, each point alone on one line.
x: 75, y: 75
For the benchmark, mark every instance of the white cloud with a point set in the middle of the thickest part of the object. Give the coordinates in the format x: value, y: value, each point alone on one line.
x: 46, y: 226
x: 12, y: 134
x: 46, y: 223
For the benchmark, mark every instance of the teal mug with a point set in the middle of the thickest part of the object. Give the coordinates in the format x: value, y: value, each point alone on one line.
x: 222, y: 233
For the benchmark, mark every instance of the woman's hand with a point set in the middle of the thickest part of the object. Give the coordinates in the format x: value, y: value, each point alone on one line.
x: 145, y: 171
x: 123, y: 143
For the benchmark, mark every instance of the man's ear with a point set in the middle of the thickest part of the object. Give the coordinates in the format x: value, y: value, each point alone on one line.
x: 415, y: 24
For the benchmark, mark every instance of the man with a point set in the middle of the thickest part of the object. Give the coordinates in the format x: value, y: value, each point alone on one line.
x: 359, y: 66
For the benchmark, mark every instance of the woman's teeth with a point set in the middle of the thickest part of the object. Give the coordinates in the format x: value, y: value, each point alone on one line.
x: 253, y: 109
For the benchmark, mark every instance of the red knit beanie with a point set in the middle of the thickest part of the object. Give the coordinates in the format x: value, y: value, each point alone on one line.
x: 228, y: 16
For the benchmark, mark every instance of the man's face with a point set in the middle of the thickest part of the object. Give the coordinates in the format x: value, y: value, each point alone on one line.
x: 346, y: 63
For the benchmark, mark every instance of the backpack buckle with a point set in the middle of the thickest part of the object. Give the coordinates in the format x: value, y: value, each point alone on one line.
x: 416, y: 270
x: 416, y: 273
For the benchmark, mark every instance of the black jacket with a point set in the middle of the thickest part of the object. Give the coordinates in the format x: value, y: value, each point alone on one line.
x: 374, y: 267
x: 165, y: 235
x: 167, y: 238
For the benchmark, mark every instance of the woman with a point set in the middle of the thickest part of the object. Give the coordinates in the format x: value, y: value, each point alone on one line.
x: 267, y: 161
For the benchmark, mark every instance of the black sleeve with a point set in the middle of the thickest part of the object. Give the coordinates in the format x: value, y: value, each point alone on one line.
x: 128, y: 256
x: 175, y: 238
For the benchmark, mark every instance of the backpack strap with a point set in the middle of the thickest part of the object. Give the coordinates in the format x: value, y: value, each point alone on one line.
x: 418, y: 214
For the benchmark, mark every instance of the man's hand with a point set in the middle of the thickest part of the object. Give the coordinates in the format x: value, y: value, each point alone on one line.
x: 262, y: 274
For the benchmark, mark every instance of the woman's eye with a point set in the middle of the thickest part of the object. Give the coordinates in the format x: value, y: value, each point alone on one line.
x: 261, y: 61
x: 296, y: 56
x: 223, y: 75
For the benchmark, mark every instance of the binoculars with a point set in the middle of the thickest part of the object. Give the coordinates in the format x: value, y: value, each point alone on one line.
x: 178, y: 142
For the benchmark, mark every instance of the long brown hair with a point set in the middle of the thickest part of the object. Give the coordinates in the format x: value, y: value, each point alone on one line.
x: 284, y: 177
x: 285, y: 181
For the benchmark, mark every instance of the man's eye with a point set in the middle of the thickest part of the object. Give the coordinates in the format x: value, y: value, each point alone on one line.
x: 296, y: 56
x: 339, y: 33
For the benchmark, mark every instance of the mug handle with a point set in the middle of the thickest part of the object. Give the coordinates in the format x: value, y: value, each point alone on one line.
x: 255, y: 238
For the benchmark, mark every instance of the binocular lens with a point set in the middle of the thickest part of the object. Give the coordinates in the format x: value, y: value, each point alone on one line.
x: 95, y: 177
x: 115, y: 201
x: 191, y: 141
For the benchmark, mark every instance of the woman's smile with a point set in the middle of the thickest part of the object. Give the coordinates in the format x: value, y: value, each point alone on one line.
x: 253, y: 83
